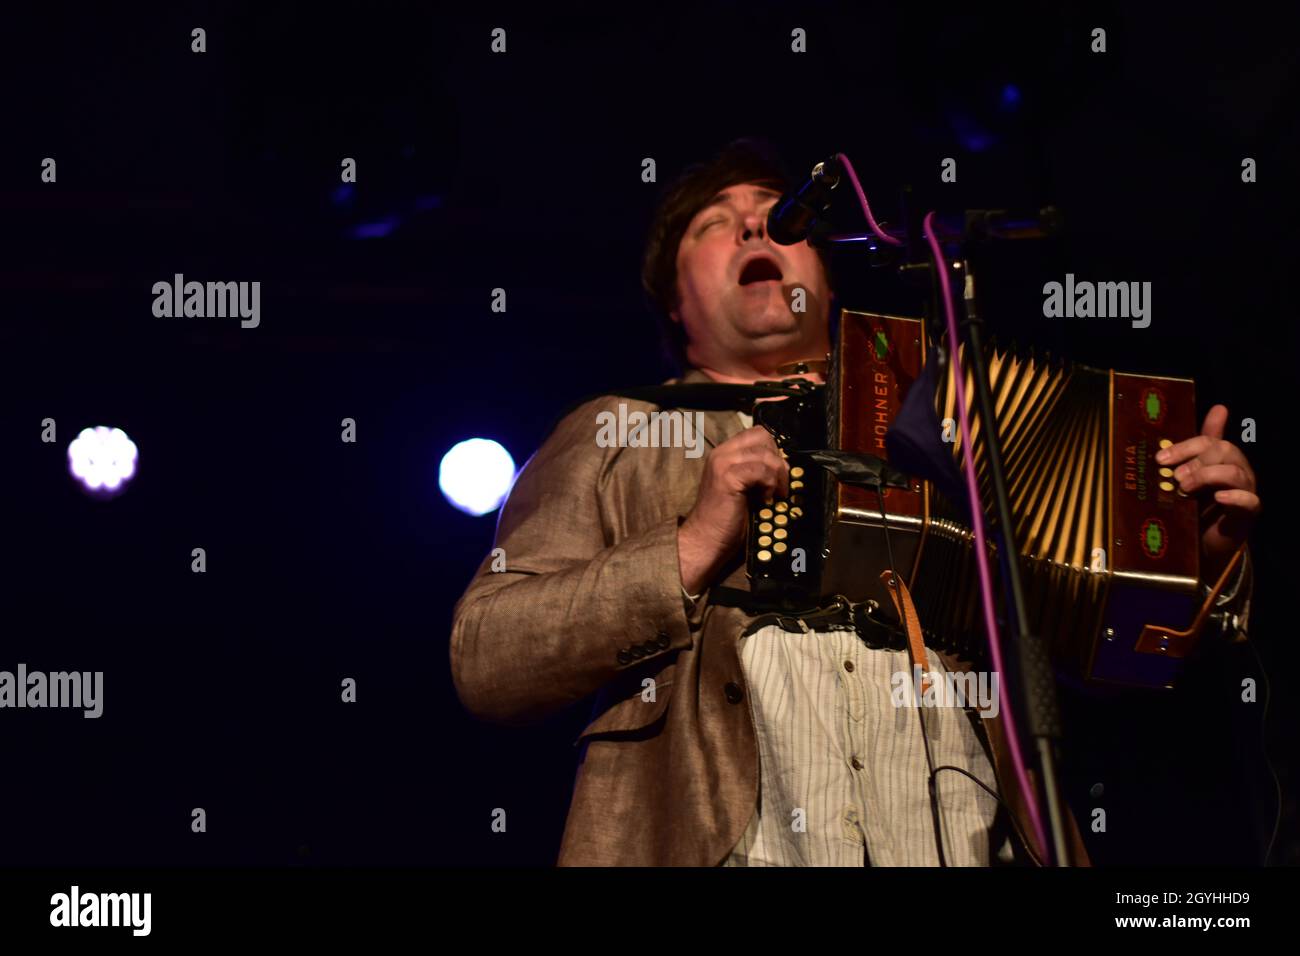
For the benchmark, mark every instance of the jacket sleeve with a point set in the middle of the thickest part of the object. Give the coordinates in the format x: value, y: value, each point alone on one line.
x: 558, y: 608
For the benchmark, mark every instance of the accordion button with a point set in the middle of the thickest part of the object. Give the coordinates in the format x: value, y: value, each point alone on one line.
x: 796, y: 472
x: 796, y: 512
x: 1165, y: 443
x: 782, y: 506
x: 796, y: 500
x: 764, y: 541
x: 781, y: 520
x: 1166, y: 472
x: 781, y: 533
x: 779, y: 547
x: 765, y: 528
x: 1166, y: 486
x: 765, y: 514
x: 764, y: 555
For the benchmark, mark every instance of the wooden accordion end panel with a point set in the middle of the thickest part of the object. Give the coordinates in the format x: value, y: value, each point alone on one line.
x: 1107, y: 544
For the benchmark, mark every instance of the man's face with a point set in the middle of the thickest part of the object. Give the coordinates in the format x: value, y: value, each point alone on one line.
x: 736, y: 287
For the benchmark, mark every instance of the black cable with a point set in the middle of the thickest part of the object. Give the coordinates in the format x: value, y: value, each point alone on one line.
x: 996, y: 796
x: 920, y: 716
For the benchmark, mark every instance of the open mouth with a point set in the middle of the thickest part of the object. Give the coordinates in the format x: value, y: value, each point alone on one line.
x: 760, y: 270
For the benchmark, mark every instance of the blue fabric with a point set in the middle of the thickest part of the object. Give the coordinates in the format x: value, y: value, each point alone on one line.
x: 915, y: 439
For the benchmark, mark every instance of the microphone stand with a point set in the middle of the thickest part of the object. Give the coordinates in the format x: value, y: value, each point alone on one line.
x: 1036, y: 697
x: 1037, y: 685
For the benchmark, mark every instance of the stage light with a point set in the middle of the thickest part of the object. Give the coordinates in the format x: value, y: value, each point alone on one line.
x: 103, y: 459
x: 475, y: 476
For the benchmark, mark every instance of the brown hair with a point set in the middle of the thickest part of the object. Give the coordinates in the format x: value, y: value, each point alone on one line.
x: 748, y: 160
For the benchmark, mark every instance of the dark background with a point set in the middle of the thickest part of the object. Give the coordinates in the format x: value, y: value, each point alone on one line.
x: 329, y: 560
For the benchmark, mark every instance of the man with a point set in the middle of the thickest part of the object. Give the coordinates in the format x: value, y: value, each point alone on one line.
x: 709, y: 745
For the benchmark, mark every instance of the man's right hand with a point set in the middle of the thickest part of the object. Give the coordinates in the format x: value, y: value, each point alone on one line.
x: 749, y: 461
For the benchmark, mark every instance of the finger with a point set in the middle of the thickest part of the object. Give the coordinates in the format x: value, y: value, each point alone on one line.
x: 1223, y: 453
x: 759, y: 452
x: 752, y: 475
x: 745, y: 447
x: 781, y: 471
x: 763, y: 467
x: 1183, y: 450
x: 1216, y: 419
x: 1212, y: 451
x: 1248, y: 501
x: 1213, y: 476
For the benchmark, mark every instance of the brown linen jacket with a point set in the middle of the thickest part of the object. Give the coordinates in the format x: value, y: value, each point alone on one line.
x: 590, y: 601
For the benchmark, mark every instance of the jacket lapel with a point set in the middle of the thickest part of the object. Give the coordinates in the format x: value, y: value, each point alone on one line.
x: 718, y: 425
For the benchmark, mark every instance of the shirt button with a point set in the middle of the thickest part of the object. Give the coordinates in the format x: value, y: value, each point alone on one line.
x: 848, y: 666
x: 857, y: 764
x: 733, y: 692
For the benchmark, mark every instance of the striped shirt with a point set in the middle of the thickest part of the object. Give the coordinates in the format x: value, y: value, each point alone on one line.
x: 842, y: 771
x: 843, y: 776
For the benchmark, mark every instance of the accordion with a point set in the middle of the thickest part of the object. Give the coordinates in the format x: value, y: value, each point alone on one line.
x: 1108, y: 546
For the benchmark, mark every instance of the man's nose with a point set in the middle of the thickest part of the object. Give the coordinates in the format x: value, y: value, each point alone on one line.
x: 755, y: 224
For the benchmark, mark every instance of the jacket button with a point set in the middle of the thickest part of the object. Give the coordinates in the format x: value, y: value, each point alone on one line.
x: 651, y: 647
x: 664, y: 640
x: 733, y: 692
x: 637, y: 651
x: 624, y: 657
x: 857, y: 764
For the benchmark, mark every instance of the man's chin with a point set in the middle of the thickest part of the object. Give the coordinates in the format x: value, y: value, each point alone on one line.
x: 774, y: 331
x: 773, y: 319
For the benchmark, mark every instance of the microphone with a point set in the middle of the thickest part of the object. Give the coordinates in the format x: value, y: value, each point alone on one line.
x: 794, y: 215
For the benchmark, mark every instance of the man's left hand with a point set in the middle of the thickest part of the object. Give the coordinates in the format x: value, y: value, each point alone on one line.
x: 1209, y: 463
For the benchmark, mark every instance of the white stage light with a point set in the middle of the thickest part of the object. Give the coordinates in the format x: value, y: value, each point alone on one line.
x: 476, y: 475
x: 103, y: 459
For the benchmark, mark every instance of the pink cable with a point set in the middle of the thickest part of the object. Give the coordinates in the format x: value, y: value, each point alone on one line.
x: 977, y: 521
x: 862, y: 199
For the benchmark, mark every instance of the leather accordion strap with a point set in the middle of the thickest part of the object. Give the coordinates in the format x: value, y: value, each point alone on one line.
x: 902, y: 599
